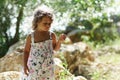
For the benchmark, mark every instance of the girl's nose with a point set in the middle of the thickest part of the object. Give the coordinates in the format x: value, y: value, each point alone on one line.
x: 48, y: 24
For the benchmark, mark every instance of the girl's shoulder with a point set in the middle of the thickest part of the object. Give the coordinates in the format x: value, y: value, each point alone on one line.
x: 29, y: 36
x: 52, y: 33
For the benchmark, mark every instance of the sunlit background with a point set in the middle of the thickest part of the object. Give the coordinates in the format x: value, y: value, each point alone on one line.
x: 93, y: 22
x: 60, y: 23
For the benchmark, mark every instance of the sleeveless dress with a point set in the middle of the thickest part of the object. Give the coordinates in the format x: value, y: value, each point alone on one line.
x: 40, y: 61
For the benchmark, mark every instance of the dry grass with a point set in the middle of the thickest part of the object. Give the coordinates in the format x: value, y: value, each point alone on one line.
x: 108, y: 67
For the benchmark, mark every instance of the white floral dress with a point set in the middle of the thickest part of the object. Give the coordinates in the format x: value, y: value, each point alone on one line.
x: 40, y: 61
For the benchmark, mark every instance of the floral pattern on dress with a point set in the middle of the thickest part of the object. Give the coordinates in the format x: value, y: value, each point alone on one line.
x: 40, y: 61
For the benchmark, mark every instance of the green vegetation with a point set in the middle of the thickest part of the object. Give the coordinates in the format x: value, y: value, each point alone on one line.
x: 10, y: 10
x: 109, y: 66
x: 108, y: 69
x: 90, y: 19
x: 92, y: 23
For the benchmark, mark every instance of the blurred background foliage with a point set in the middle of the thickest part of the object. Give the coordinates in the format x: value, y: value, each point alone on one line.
x: 81, y: 20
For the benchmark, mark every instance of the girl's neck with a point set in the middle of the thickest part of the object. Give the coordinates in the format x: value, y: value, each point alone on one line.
x: 41, y: 31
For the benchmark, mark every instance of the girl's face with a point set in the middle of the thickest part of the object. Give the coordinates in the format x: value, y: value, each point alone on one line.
x: 44, y: 24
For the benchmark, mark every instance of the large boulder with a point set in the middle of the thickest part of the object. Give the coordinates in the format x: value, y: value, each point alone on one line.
x: 10, y: 75
x: 78, y: 57
x: 11, y: 62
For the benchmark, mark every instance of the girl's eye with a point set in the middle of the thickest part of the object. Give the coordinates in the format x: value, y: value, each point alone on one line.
x: 47, y: 23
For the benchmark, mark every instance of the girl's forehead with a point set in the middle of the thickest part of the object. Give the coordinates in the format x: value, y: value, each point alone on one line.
x: 46, y: 18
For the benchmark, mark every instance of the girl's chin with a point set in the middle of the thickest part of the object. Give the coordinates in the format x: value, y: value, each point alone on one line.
x: 44, y: 30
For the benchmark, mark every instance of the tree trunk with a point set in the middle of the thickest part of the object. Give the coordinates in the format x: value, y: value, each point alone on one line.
x: 17, y: 33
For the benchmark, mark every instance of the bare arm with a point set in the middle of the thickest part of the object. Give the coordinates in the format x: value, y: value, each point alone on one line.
x: 57, y: 43
x: 26, y: 53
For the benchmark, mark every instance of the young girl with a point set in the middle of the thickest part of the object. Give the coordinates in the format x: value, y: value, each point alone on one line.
x: 38, y: 52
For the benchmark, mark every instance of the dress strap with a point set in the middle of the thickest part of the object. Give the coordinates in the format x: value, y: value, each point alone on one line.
x: 32, y: 37
x: 51, y: 35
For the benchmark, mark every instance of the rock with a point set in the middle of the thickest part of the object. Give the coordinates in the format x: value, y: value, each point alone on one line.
x: 78, y: 57
x: 14, y: 75
x: 10, y: 75
x: 79, y: 78
x: 108, y: 50
x: 11, y: 62
x: 18, y: 47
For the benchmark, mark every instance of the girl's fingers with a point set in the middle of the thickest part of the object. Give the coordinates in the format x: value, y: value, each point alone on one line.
x: 63, y: 36
x: 26, y: 71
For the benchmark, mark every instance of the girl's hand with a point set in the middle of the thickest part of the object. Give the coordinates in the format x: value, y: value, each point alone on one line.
x: 62, y: 37
x: 26, y: 70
